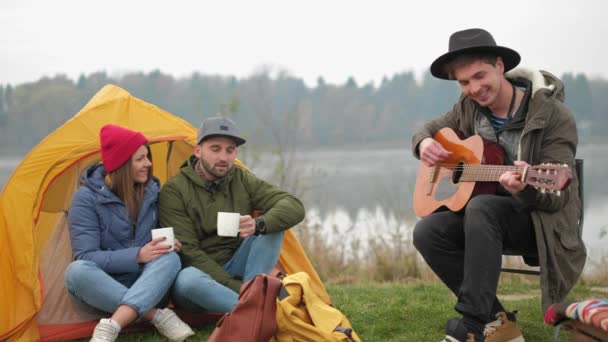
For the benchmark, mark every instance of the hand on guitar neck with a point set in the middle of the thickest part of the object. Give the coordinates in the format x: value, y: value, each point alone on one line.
x: 511, y: 180
x: 432, y: 152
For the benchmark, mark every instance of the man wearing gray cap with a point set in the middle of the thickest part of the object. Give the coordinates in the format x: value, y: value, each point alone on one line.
x: 521, y: 112
x: 209, y: 183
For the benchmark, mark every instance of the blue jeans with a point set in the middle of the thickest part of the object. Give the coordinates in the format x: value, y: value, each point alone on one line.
x: 195, y: 290
x: 90, y: 286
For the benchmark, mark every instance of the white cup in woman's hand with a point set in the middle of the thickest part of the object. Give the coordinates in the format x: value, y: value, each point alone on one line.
x: 167, y: 233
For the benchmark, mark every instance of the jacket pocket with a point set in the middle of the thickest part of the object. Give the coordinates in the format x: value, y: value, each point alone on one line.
x: 568, y: 238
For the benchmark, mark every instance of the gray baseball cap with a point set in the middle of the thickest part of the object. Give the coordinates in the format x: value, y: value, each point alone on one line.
x: 219, y: 126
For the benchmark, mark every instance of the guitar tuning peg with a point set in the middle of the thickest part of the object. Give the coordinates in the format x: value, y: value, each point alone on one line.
x: 543, y: 191
x: 558, y: 193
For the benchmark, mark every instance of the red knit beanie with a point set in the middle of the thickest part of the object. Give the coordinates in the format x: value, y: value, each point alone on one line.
x: 118, y: 145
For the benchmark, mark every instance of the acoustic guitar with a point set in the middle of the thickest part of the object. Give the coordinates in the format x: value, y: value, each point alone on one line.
x: 462, y: 175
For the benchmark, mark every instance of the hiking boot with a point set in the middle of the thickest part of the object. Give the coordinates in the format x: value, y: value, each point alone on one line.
x: 104, y: 331
x: 172, y: 327
x: 455, y: 331
x: 503, y: 329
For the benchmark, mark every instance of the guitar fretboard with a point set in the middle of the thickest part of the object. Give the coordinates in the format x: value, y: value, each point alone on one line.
x: 478, y: 173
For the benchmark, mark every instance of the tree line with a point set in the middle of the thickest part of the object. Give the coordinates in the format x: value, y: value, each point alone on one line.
x: 274, y: 109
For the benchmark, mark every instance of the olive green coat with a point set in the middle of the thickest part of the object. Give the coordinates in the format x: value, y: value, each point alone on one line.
x: 549, y: 136
x: 190, y: 205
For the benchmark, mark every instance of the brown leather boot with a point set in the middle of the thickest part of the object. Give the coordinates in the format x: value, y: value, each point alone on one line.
x: 455, y: 331
x: 503, y: 329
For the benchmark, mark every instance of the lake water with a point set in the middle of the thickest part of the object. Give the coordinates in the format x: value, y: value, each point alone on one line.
x: 352, y: 193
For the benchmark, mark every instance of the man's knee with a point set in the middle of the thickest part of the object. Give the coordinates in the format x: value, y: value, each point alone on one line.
x: 481, y: 216
x: 422, y: 237
x: 272, y: 240
x: 478, y: 205
x: 190, y: 279
x: 278, y: 236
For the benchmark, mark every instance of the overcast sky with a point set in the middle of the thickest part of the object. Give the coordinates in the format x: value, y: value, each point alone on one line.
x: 333, y: 39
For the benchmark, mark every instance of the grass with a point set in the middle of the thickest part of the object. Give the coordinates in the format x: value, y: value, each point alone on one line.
x: 417, y: 311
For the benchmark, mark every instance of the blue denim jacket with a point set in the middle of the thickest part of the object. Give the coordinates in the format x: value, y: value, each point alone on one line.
x: 100, y: 229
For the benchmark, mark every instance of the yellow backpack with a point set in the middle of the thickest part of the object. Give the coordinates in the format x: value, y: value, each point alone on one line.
x: 303, y: 316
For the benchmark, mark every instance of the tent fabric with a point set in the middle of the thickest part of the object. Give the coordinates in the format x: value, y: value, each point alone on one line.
x: 34, y: 238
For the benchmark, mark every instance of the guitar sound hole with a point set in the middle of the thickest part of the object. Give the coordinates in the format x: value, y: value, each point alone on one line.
x: 457, y: 173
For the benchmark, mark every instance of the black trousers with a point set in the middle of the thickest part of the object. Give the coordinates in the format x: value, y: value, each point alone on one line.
x: 465, y: 250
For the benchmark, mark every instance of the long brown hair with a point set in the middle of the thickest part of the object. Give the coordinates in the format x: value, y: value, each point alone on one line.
x: 121, y: 183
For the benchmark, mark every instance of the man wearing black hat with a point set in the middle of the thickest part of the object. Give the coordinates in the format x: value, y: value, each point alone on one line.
x: 523, y: 112
x: 209, y: 183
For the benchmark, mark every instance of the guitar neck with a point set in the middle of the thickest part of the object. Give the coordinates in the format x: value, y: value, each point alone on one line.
x: 484, y: 173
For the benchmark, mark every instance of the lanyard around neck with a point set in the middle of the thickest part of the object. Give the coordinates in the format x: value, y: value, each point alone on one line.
x: 512, y: 104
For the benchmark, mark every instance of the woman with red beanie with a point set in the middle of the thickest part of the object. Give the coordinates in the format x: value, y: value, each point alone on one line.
x: 118, y: 268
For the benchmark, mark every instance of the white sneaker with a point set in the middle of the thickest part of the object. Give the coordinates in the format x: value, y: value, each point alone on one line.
x: 171, y: 326
x: 104, y: 331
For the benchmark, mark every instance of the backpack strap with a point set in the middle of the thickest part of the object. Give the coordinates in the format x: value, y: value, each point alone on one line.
x: 346, y: 331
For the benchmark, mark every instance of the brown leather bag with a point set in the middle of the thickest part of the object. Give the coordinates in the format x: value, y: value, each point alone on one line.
x: 254, y: 317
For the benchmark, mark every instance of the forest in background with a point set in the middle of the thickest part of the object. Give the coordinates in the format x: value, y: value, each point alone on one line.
x: 273, y: 107
x: 279, y: 112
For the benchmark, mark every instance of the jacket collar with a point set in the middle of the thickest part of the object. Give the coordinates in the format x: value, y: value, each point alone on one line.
x: 545, y: 88
x: 542, y: 82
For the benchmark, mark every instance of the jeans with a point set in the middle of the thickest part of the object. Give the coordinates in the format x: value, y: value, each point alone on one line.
x: 90, y: 285
x: 465, y: 250
x: 195, y: 290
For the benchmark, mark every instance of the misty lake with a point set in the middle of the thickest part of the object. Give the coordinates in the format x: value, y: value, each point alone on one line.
x: 361, y: 191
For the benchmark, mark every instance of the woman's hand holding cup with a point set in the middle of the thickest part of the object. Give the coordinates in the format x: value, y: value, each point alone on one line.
x: 152, y: 250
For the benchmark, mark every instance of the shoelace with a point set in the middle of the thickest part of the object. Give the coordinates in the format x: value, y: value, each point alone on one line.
x: 170, y: 320
x: 491, y: 327
x: 173, y: 325
x: 106, y: 332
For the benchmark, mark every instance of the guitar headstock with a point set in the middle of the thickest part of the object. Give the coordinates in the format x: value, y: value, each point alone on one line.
x: 550, y: 178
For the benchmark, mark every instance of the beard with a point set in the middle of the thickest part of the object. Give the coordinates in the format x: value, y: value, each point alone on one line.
x: 214, y: 170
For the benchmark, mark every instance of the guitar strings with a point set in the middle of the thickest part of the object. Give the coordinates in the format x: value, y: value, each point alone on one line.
x: 481, y: 166
x: 480, y: 172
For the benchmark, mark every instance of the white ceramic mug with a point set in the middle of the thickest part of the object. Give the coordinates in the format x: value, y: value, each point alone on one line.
x: 167, y: 233
x: 228, y: 224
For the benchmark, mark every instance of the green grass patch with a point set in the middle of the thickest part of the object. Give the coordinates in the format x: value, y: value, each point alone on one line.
x: 416, y: 311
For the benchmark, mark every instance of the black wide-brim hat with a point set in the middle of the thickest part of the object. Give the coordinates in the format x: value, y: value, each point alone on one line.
x: 473, y: 41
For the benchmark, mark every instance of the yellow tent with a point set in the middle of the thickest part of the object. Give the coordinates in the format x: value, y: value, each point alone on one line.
x: 34, y: 238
